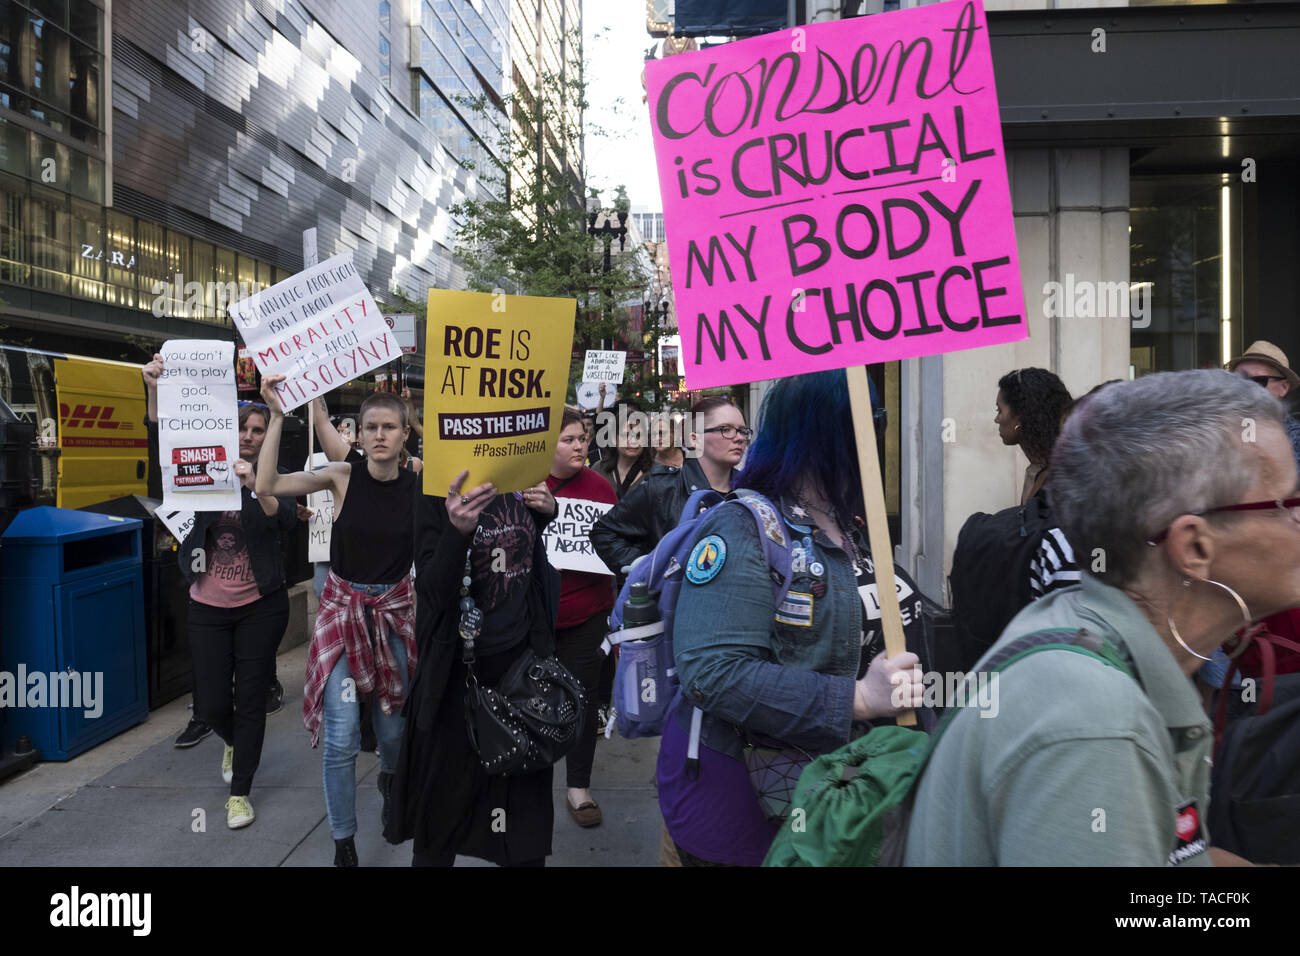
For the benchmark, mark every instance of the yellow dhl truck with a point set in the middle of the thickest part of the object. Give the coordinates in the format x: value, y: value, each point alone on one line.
x: 91, y: 440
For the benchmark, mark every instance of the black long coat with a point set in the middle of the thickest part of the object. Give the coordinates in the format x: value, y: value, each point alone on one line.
x: 440, y: 796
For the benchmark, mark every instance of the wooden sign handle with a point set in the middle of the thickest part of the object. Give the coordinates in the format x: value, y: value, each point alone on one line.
x: 873, y: 496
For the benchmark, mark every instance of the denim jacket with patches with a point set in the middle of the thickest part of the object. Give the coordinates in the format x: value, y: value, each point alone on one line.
x: 786, y: 672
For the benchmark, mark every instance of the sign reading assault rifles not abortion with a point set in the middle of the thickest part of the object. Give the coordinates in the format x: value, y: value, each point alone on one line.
x: 198, y: 430
x: 836, y: 195
x: 494, y: 384
x: 568, y: 546
x: 320, y: 328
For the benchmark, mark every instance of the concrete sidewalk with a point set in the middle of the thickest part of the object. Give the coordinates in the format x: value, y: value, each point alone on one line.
x: 138, y: 801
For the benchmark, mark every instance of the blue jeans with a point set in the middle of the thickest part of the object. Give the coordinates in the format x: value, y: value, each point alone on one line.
x: 341, y: 730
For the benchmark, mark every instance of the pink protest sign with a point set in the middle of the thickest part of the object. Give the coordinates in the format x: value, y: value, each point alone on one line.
x: 836, y: 195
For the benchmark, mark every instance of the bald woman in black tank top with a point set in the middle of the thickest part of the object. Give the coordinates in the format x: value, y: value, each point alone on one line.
x: 364, y: 639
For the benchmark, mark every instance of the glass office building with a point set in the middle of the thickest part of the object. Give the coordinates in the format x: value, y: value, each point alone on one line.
x: 159, y: 158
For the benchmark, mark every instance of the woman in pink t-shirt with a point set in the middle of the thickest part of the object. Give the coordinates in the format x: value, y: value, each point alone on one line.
x: 238, y: 608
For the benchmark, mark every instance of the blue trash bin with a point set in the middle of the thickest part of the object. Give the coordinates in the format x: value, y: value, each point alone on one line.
x: 72, y: 637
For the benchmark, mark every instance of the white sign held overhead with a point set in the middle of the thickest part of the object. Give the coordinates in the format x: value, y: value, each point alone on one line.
x: 320, y: 328
x: 403, y: 326
x: 604, y: 366
x: 198, y: 431
x: 309, y: 255
x: 588, y: 395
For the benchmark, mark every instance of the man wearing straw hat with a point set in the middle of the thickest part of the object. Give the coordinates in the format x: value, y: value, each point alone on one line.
x: 1265, y: 364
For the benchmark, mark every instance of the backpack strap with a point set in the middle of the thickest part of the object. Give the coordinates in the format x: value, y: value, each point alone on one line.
x: 1079, y: 640
x: 1267, y: 642
x: 698, y: 502
x: 773, y: 538
x: 1075, y: 639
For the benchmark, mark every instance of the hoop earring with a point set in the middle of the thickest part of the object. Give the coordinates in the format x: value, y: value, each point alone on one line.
x: 1245, y: 613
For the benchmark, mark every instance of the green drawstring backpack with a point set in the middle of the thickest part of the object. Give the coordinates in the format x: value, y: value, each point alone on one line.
x: 852, y: 806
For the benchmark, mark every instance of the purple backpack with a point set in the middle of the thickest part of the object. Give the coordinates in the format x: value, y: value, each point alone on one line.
x: 645, y: 682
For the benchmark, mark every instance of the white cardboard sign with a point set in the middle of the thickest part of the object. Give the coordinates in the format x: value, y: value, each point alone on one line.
x: 177, y: 521
x: 567, y: 543
x: 603, y: 365
x: 403, y: 327
x: 321, y: 525
x: 320, y: 328
x: 198, y: 426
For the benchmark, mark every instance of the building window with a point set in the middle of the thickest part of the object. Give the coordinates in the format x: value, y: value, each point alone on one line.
x: 87, y: 251
x: 1175, y: 269
x: 48, y: 225
x: 120, y: 261
x: 385, y: 66
x: 384, y: 14
x: 13, y: 241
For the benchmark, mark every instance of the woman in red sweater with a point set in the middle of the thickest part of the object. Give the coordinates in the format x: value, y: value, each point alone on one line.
x: 585, y: 603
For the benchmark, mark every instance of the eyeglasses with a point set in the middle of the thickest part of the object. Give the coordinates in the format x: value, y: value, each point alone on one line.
x: 731, y: 431
x: 1264, y: 380
x: 1289, y: 505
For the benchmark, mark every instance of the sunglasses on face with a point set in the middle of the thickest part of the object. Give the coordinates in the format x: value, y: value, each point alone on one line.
x: 1263, y: 380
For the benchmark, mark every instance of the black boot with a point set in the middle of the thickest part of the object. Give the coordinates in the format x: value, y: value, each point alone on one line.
x: 385, y: 785
x: 345, y: 852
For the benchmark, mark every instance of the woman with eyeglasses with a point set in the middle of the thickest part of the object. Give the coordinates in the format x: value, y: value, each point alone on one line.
x: 238, y: 608
x: 635, y: 525
x: 1192, y: 532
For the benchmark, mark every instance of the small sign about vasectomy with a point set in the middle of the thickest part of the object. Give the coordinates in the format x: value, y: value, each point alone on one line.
x: 604, y: 365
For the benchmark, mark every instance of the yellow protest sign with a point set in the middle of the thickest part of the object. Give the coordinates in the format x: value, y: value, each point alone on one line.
x: 494, y: 384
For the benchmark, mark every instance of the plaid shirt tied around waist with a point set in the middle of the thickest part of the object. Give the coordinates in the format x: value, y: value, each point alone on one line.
x: 341, y: 628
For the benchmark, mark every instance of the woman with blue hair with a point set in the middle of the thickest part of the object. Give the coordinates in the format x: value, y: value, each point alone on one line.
x: 765, y: 674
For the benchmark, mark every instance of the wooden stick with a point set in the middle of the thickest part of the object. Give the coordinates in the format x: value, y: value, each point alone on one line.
x: 873, y: 496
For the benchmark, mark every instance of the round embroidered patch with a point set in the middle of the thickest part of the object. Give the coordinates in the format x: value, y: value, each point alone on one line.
x: 706, y: 560
x: 817, y: 569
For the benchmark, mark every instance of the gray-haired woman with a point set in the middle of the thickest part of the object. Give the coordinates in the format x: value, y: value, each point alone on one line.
x: 1179, y: 494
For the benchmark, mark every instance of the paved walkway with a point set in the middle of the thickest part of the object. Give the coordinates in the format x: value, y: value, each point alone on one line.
x: 138, y: 801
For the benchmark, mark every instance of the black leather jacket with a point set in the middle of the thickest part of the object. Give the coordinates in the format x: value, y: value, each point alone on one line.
x: 649, y: 511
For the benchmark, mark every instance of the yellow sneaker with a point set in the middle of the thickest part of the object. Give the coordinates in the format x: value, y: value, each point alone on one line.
x: 239, y: 812
x: 228, y: 764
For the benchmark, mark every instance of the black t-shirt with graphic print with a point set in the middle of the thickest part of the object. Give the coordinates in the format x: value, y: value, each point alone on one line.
x: 501, y: 563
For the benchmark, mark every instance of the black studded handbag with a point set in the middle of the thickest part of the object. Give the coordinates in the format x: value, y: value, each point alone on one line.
x: 529, y: 720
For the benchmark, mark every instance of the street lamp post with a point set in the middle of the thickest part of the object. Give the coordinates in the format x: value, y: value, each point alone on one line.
x: 608, y: 232
x: 654, y: 321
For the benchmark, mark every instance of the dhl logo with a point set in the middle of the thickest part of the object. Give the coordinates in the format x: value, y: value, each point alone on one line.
x: 88, y: 416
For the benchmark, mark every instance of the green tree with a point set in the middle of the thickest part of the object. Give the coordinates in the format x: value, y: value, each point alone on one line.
x: 526, y: 229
